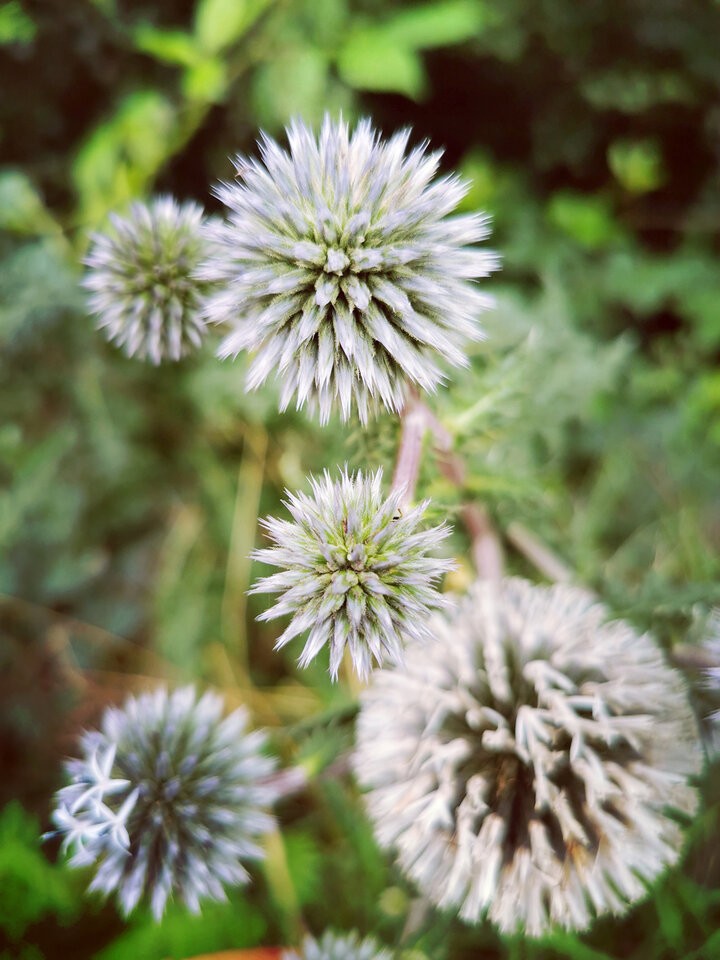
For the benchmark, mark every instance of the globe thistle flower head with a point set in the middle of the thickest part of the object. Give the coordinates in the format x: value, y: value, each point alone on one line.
x: 354, y: 571
x: 523, y: 764
x: 336, y: 946
x: 342, y: 270
x: 167, y: 800
x: 142, y: 283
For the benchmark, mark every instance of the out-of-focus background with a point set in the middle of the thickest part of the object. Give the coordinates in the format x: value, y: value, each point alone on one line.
x: 130, y: 495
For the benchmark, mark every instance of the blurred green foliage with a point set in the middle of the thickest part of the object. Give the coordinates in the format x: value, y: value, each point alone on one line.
x: 130, y: 496
x: 31, y: 887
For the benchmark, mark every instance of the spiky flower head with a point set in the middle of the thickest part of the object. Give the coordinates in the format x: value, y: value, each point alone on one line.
x: 338, y: 946
x: 524, y: 762
x: 167, y: 800
x: 342, y: 270
x: 141, y: 277
x: 354, y: 571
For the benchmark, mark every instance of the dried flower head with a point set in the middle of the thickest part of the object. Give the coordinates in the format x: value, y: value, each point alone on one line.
x: 167, y: 800
x: 523, y: 763
x: 334, y: 946
x: 141, y: 276
x: 342, y: 270
x: 355, y: 571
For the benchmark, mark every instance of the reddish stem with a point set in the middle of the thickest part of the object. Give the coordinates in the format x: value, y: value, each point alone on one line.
x: 485, y: 542
x: 407, y: 465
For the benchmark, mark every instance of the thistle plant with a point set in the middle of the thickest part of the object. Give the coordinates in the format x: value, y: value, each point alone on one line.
x: 335, y: 946
x: 523, y: 764
x: 168, y: 800
x: 342, y: 270
x: 142, y: 282
x: 354, y: 571
x: 527, y: 758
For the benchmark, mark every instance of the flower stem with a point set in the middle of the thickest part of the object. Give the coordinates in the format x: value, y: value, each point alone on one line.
x: 417, y: 419
x: 539, y: 554
x: 407, y: 465
x: 485, y: 543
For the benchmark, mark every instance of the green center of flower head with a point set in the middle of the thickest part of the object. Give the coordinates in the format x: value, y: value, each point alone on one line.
x: 163, y: 279
x: 337, y: 249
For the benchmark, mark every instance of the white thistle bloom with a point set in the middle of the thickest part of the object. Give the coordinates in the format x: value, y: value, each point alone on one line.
x: 523, y: 764
x: 342, y: 270
x: 354, y: 571
x: 712, y: 646
x: 167, y: 800
x: 141, y: 277
x: 334, y: 946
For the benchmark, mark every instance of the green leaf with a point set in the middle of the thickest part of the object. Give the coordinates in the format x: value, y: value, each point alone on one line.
x: 225, y: 926
x: 281, y: 885
x: 482, y: 176
x: 569, y: 945
x: 31, y: 887
x: 168, y: 46
x: 669, y: 914
x: 37, y: 285
x: 181, y: 591
x: 372, y: 59
x: 206, y: 81
x: 637, y: 164
x: 304, y: 863
x: 438, y: 24
x: 121, y: 157
x: 21, y: 208
x: 293, y: 83
x: 15, y: 25
x: 220, y: 23
x: 33, y: 481
x: 587, y: 219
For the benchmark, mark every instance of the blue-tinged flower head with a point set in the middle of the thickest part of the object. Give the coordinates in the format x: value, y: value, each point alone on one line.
x: 338, y: 946
x: 168, y: 800
x: 524, y: 764
x: 142, y: 282
x: 344, y: 271
x: 355, y: 573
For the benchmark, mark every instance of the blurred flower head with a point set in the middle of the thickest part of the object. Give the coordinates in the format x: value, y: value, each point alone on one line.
x: 167, y: 800
x: 524, y: 762
x: 354, y: 571
x: 712, y: 646
x: 711, y: 649
x: 142, y: 283
x: 342, y: 270
x: 335, y: 946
